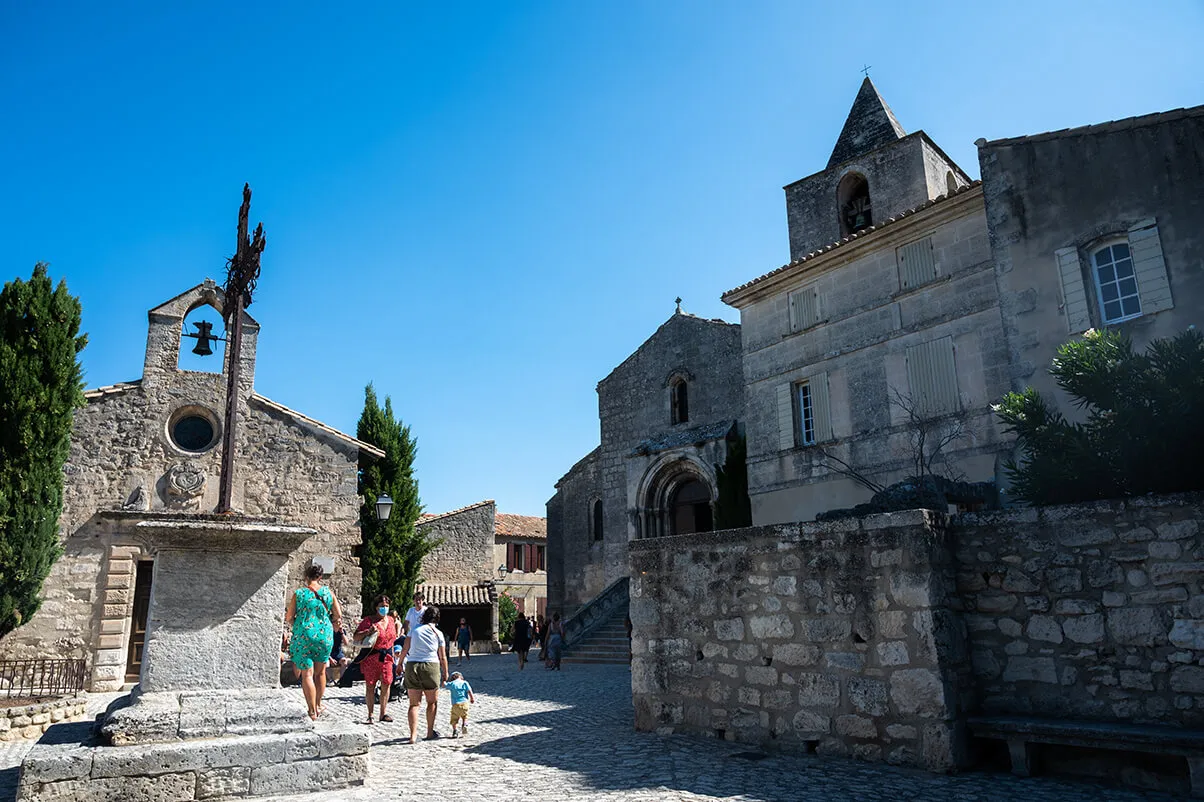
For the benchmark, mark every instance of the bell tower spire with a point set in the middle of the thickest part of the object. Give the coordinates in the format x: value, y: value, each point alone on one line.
x: 870, y: 125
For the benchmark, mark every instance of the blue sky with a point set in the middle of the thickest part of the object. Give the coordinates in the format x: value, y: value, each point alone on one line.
x: 484, y: 208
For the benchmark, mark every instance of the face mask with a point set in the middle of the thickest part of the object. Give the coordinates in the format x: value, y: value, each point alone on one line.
x: 382, y: 610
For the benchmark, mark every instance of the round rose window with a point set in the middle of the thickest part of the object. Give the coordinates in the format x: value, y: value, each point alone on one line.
x: 192, y: 433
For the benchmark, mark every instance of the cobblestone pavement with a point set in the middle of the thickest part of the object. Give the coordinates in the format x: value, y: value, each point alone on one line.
x: 568, y: 735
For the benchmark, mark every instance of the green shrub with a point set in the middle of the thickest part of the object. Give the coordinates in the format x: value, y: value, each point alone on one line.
x: 1144, y: 425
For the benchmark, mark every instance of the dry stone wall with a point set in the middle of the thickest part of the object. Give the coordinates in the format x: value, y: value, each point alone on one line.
x: 1088, y: 611
x: 465, y: 555
x: 837, y: 638
x: 876, y: 637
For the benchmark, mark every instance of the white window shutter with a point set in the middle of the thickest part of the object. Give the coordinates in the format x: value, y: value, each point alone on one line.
x: 804, y: 308
x: 785, y: 417
x: 1074, y: 294
x: 820, y: 407
x: 1148, y: 264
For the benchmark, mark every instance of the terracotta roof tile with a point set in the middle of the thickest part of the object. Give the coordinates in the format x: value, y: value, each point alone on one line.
x: 111, y: 389
x: 526, y: 526
x: 460, y: 595
x: 1156, y: 118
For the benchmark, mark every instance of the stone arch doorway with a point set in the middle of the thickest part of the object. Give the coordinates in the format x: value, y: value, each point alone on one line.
x: 677, y: 498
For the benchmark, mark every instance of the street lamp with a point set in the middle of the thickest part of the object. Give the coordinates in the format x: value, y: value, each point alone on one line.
x: 384, y: 508
x: 502, y: 570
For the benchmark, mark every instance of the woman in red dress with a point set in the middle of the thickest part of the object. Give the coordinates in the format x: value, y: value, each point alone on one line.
x: 378, y: 665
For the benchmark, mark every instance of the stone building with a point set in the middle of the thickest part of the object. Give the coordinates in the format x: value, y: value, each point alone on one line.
x: 482, y: 553
x: 152, y: 445
x: 665, y: 417
x: 887, y: 314
x: 521, y: 547
x: 1096, y: 226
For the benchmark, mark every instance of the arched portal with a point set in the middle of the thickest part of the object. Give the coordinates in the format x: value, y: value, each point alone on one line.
x: 677, y: 497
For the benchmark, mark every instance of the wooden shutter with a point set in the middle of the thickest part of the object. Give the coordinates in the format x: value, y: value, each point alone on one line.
x: 820, y: 408
x: 1153, y: 285
x: 510, y: 556
x: 785, y: 416
x: 932, y: 376
x: 917, y: 265
x: 1074, y: 294
x: 804, y: 308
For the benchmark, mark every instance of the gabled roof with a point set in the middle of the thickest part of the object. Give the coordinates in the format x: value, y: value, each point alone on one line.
x: 121, y: 388
x: 315, y: 425
x: 427, y: 518
x: 1102, y: 128
x: 676, y: 319
x: 729, y: 296
x: 526, y: 526
x: 870, y: 125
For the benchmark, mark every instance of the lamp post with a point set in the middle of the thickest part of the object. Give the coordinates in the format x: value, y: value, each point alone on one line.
x: 384, y: 508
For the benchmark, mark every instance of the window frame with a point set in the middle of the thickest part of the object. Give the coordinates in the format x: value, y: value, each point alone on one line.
x: 679, y: 401
x: 804, y: 411
x: 1094, y: 267
x: 596, y: 521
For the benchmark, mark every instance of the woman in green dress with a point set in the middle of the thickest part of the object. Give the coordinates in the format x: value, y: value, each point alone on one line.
x: 312, y: 616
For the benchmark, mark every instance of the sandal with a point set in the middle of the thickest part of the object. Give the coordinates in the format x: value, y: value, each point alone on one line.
x: 369, y: 722
x: 434, y: 735
x: 387, y: 719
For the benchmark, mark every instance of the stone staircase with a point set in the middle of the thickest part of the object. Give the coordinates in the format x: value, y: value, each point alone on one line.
x: 604, y: 643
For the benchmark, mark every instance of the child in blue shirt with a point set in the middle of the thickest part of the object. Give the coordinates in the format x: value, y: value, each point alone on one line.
x: 461, y: 696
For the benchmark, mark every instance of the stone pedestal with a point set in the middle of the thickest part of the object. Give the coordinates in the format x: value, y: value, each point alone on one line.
x: 208, y: 719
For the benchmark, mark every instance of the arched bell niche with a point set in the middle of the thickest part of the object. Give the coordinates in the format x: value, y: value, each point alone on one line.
x: 203, y: 319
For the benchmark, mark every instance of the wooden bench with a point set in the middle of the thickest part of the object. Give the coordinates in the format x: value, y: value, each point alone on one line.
x: 1020, y: 732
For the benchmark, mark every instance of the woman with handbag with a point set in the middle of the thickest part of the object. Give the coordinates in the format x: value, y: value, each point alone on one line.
x: 312, y: 614
x: 377, y: 632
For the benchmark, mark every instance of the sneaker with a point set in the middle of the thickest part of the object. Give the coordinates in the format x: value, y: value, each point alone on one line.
x: 464, y: 728
x: 455, y: 734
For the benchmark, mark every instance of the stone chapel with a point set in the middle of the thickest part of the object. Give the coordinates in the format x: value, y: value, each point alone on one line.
x: 152, y: 445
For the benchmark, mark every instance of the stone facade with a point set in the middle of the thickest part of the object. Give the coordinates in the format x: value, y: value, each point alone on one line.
x: 630, y: 486
x: 1054, y: 199
x: 831, y: 638
x: 521, y: 545
x: 124, y: 454
x: 876, y: 637
x: 465, y: 554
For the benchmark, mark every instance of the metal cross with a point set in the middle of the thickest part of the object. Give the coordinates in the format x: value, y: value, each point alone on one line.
x: 866, y: 70
x: 242, y: 273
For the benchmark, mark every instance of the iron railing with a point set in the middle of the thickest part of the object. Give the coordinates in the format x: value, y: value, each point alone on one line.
x: 32, y: 679
x: 597, y: 611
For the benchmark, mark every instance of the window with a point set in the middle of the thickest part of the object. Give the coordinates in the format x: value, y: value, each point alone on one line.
x: 541, y: 558
x: 950, y: 182
x: 806, y: 415
x: 597, y: 520
x: 804, y: 308
x: 932, y: 377
x: 803, y: 412
x: 1112, y: 266
x: 679, y: 401
x: 193, y: 429
x: 517, y: 554
x: 916, y: 263
x: 853, y: 199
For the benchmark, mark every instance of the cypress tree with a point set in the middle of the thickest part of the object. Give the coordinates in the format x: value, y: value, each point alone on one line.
x: 40, y: 388
x: 393, y: 550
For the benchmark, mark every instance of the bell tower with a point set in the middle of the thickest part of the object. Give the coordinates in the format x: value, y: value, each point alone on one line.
x: 876, y: 170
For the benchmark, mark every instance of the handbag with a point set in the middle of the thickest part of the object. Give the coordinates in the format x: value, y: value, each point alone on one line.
x: 366, y: 640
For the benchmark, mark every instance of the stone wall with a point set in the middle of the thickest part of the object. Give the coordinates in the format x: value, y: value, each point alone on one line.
x: 30, y: 721
x: 1089, y: 611
x: 466, y: 554
x: 838, y: 638
x: 876, y: 637
x: 573, y: 554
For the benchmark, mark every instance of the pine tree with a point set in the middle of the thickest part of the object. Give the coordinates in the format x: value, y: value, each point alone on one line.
x: 393, y: 550
x: 40, y: 387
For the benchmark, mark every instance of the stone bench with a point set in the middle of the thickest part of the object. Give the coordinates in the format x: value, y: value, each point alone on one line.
x: 1020, y: 732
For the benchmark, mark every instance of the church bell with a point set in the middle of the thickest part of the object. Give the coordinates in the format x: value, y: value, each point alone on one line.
x: 203, y: 338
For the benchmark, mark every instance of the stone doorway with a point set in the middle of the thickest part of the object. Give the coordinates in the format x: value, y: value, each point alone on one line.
x: 691, y: 509
x: 142, y: 591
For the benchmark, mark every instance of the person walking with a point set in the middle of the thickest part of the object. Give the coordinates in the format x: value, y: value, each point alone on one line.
x: 425, y: 656
x: 310, y: 619
x: 522, y: 640
x: 377, y: 666
x: 461, y: 697
x: 463, y: 641
x: 555, y: 641
x: 413, y: 617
